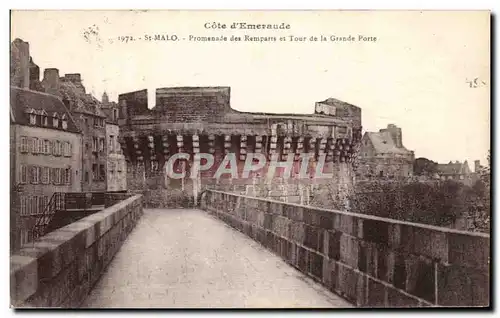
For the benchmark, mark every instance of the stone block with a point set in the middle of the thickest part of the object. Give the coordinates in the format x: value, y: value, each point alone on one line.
x: 302, y: 259
x: 311, y: 237
x: 23, y: 278
x: 346, y: 224
x: 399, y: 271
x: 376, y: 295
x: 348, y: 281
x: 310, y: 216
x: 469, y: 250
x: 326, y: 220
x: 385, y: 263
x: 431, y: 243
x: 362, y: 290
x: 368, y: 258
x: 334, y: 245
x: 316, y: 265
x: 268, y: 221
x: 397, y: 299
x: 462, y: 286
x: 376, y: 231
x: 296, y: 213
x: 420, y: 280
x: 349, y: 249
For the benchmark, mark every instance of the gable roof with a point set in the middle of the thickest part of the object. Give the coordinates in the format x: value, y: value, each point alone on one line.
x: 384, y: 144
x: 452, y: 168
x: 24, y: 99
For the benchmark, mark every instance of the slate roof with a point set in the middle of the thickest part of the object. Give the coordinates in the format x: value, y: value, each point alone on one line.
x: 84, y: 103
x: 23, y: 101
x: 452, y: 168
x: 383, y: 143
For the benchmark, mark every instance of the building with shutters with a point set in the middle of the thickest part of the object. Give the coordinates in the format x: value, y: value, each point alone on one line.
x: 45, y: 156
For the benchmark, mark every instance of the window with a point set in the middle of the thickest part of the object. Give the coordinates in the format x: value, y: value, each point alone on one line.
x: 24, y: 144
x: 22, y: 210
x: 46, y: 147
x: 34, y: 145
x: 55, y: 121
x: 57, y: 176
x: 45, y: 175
x: 381, y: 173
x: 64, y: 120
x: 33, y: 119
x: 115, y: 114
x: 63, y: 176
x: 102, y: 172
x: 94, y: 171
x: 34, y: 205
x: 40, y: 146
x: 60, y: 151
x: 110, y: 143
x: 67, y: 175
x: 23, y: 178
x: 101, y: 144
x: 35, y: 174
x: 28, y: 206
x: 55, y: 146
x: 94, y: 144
x: 86, y: 176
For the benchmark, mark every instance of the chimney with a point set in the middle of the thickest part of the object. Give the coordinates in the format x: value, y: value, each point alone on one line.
x: 51, y: 80
x: 20, y: 64
x: 396, y: 134
x: 477, y: 166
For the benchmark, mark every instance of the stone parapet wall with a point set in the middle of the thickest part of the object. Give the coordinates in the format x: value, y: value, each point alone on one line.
x: 371, y: 261
x: 59, y: 269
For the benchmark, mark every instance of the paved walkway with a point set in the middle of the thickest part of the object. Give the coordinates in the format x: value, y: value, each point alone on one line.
x: 186, y: 258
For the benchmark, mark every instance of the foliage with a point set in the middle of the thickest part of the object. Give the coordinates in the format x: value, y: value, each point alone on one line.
x: 437, y: 203
x: 424, y: 167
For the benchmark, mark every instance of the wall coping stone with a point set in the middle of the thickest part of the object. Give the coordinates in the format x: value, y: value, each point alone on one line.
x: 362, y: 216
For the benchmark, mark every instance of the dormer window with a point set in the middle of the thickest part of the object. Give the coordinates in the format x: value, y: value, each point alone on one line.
x: 45, y: 120
x: 64, y: 119
x: 32, y: 116
x: 55, y: 120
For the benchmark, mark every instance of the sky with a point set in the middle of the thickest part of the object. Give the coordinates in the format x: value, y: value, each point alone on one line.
x: 416, y: 74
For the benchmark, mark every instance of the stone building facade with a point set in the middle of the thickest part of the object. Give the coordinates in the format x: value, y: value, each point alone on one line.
x: 200, y: 120
x: 457, y: 171
x: 45, y: 157
x: 383, y: 156
x: 87, y: 113
x: 116, y: 166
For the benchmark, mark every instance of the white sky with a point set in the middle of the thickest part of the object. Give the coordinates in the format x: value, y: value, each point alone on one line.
x: 414, y: 76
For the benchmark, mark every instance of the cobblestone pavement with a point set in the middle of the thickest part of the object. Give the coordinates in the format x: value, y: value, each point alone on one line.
x: 186, y: 258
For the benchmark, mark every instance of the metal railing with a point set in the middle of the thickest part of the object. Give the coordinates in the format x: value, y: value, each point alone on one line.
x: 66, y: 201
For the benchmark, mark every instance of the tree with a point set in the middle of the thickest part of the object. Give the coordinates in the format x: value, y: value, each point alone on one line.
x: 424, y: 167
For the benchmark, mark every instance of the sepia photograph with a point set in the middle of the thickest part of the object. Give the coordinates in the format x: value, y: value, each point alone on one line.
x: 258, y: 159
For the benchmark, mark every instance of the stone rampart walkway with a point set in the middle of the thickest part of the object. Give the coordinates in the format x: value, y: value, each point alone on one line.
x: 187, y: 259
